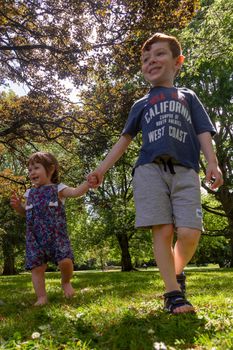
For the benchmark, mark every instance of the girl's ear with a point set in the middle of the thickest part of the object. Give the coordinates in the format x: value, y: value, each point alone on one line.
x: 51, y: 170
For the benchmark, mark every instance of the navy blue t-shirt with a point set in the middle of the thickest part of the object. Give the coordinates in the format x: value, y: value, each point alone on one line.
x: 170, y: 120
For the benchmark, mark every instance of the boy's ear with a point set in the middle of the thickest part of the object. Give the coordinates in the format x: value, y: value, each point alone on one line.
x: 180, y: 59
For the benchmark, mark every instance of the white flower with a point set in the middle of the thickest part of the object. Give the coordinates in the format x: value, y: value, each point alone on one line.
x: 150, y: 331
x: 35, y: 335
x: 159, y: 346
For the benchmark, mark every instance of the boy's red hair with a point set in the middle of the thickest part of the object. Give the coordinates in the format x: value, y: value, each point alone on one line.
x: 172, y: 41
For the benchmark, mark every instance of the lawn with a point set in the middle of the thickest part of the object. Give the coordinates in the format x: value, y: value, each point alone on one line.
x: 117, y: 311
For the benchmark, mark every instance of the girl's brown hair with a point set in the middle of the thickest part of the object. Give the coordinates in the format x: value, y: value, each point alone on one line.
x: 48, y: 161
x: 173, y: 43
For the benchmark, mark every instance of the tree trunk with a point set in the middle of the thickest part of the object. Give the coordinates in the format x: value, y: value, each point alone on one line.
x: 126, y: 263
x: 9, y: 265
x: 231, y: 261
x: 231, y: 241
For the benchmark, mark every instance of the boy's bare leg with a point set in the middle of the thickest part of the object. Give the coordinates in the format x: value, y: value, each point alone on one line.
x: 38, y: 280
x: 164, y: 256
x: 163, y: 252
x: 66, y: 268
x: 185, y: 247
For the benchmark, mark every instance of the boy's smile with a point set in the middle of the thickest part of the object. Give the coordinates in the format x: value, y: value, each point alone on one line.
x: 159, y: 67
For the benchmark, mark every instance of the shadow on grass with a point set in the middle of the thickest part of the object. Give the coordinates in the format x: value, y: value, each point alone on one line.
x: 138, y: 325
x: 141, y: 333
x: 17, y: 293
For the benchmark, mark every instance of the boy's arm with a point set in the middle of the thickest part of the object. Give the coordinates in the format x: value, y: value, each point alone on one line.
x: 78, y: 191
x: 96, y: 177
x: 17, y: 204
x: 213, y: 171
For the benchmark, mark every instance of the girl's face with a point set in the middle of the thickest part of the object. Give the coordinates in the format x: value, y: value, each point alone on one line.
x: 38, y: 175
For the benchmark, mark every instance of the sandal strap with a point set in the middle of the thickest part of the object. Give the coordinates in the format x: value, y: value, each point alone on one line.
x: 174, y: 299
x: 181, y: 280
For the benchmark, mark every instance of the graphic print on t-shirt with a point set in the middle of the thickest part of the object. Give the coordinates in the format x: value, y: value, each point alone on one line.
x: 167, y: 112
x: 170, y: 120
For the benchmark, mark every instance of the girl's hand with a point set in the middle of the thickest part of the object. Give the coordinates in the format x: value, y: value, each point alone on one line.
x: 94, y: 179
x: 15, y: 201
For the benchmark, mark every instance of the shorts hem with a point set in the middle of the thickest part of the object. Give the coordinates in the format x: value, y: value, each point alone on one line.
x: 187, y: 225
x: 191, y: 226
x: 152, y: 224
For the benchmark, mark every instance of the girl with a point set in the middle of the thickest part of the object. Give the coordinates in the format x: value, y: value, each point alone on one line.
x: 46, y: 236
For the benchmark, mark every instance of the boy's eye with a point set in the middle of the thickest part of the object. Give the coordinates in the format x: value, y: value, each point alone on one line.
x: 145, y: 60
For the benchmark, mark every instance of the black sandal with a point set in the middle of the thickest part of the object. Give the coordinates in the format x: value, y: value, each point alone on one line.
x: 181, y: 280
x: 175, y: 299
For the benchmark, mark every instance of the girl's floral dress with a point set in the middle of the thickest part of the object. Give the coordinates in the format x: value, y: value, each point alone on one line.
x: 46, y: 235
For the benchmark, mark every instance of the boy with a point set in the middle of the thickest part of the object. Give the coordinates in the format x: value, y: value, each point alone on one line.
x: 166, y: 185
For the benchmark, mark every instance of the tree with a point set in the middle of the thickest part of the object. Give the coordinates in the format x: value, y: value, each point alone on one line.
x: 214, y: 244
x: 42, y: 44
x: 115, y: 207
x: 30, y: 120
x: 12, y: 233
x: 114, y: 89
x: 209, y: 52
x: 12, y: 237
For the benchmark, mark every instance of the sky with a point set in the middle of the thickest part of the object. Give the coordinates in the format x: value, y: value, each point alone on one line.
x: 22, y: 90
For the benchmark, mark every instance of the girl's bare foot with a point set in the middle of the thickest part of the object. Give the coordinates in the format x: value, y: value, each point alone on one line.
x: 68, y: 290
x: 41, y: 301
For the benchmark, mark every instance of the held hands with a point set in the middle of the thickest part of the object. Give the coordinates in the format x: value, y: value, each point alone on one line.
x: 94, y: 179
x: 214, y: 176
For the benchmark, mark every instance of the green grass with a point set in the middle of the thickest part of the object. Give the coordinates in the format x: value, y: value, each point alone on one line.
x: 117, y: 311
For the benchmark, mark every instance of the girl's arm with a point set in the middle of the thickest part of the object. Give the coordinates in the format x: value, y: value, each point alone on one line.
x: 17, y: 204
x: 213, y: 171
x: 78, y: 191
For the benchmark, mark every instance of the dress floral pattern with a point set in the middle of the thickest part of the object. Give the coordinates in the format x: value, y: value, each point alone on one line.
x: 46, y: 237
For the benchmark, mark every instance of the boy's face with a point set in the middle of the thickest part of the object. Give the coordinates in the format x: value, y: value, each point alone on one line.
x: 159, y: 67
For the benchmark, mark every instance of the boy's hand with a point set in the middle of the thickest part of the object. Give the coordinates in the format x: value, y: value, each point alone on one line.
x: 214, y: 176
x: 15, y: 201
x: 94, y: 179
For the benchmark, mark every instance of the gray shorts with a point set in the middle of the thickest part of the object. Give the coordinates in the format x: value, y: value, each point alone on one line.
x: 163, y: 198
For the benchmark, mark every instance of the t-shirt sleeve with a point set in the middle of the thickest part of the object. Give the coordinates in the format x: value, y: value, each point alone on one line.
x: 26, y: 194
x: 133, y: 123
x: 200, y: 118
x: 61, y: 187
